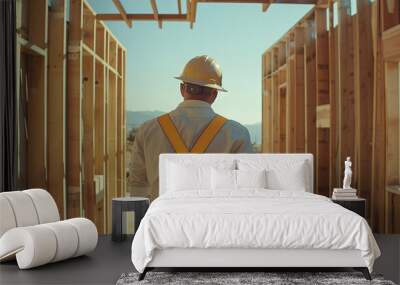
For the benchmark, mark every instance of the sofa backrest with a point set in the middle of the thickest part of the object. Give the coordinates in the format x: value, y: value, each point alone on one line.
x: 26, y: 208
x: 209, y: 159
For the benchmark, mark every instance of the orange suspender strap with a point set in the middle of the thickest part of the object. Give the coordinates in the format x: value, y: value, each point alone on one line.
x: 202, y: 142
x: 172, y: 134
x: 208, y: 134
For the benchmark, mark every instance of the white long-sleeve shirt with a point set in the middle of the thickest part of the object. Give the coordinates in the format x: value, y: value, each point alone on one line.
x: 191, y: 117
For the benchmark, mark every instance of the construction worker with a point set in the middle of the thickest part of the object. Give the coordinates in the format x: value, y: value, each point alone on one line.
x: 192, y: 127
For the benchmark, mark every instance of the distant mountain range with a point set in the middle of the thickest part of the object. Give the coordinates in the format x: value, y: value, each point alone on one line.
x: 135, y: 118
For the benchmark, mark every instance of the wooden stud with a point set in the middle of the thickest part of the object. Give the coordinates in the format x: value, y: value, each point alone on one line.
x: 179, y: 3
x: 346, y: 84
x: 122, y: 12
x: 265, y: 6
x: 377, y: 211
x: 99, y: 139
x: 299, y: 130
x: 193, y: 12
x: 363, y: 57
x: 36, y: 122
x: 323, y: 106
x: 74, y: 110
x: 155, y: 13
x: 89, y: 195
x: 392, y: 91
x: 56, y: 133
x: 111, y: 145
x: 333, y: 98
x: 37, y: 25
x: 310, y: 87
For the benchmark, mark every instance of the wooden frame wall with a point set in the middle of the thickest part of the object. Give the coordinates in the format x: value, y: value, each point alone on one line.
x: 71, y: 108
x: 96, y: 117
x: 31, y: 66
x: 335, y: 100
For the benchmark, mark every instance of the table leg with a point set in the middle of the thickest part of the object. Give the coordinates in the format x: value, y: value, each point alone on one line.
x: 140, y: 211
x: 116, y: 221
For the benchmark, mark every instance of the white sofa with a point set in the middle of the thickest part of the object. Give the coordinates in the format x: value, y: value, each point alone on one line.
x: 31, y: 230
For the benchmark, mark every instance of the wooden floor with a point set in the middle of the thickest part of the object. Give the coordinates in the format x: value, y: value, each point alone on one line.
x: 110, y: 260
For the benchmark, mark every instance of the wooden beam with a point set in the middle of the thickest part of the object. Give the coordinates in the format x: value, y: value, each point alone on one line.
x: 299, y: 130
x: 188, y: 5
x: 291, y: 100
x: 122, y: 12
x: 363, y: 99
x: 392, y: 89
x: 377, y: 211
x: 155, y: 13
x: 99, y: 141
x: 346, y: 85
x: 323, y: 107
x: 261, y: 1
x: 193, y: 11
x: 310, y: 96
x: 36, y: 122
x: 333, y: 134
x: 265, y: 6
x: 56, y: 132
x: 74, y: 99
x: 143, y: 17
x: 88, y: 80
x: 179, y: 3
x: 38, y: 23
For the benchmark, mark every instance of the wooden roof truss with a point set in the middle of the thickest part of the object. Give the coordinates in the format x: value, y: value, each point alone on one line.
x: 191, y: 10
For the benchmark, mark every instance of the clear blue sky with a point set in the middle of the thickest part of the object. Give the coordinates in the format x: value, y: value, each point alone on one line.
x: 235, y: 35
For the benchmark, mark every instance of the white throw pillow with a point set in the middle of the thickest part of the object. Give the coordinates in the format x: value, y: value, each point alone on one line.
x: 223, y: 179
x: 291, y: 180
x: 185, y: 174
x: 284, y: 174
x: 181, y: 177
x: 251, y: 178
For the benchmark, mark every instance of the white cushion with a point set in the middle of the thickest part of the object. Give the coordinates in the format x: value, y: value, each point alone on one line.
x: 67, y: 239
x: 183, y: 178
x: 223, y: 179
x: 23, y: 208
x: 189, y: 175
x: 33, y: 246
x: 46, y: 207
x: 40, y: 244
x: 87, y: 233
x: 251, y: 178
x: 285, y: 174
x: 7, y: 218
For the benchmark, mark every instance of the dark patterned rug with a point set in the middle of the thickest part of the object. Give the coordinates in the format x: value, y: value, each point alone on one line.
x: 243, y: 278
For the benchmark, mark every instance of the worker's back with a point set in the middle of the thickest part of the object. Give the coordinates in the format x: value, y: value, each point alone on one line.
x: 190, y: 118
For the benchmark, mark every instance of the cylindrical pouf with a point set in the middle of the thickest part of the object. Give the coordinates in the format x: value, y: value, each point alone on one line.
x: 35, y: 245
x: 87, y: 235
x: 67, y: 239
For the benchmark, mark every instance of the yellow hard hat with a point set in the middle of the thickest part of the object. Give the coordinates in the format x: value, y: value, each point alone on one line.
x: 204, y: 71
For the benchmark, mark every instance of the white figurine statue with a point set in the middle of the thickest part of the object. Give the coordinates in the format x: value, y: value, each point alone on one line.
x: 347, y: 174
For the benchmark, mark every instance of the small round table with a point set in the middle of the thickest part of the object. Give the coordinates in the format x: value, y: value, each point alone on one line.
x: 139, y: 205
